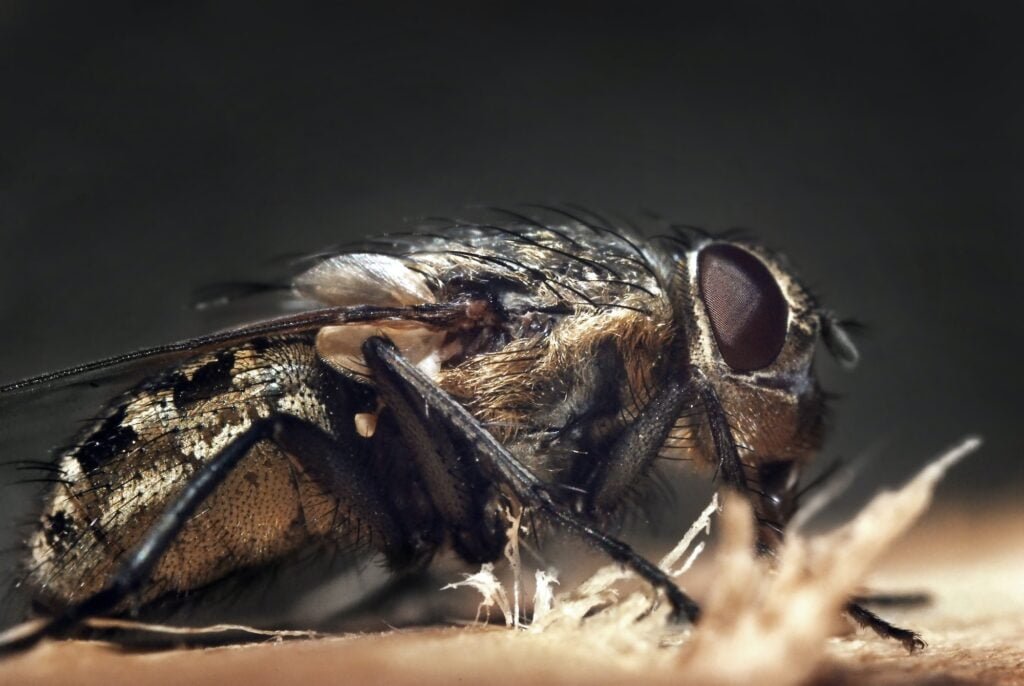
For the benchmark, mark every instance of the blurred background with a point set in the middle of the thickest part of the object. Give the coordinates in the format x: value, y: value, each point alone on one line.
x: 149, y: 148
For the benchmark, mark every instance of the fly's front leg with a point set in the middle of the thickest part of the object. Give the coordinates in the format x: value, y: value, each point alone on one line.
x: 320, y: 455
x: 773, y: 501
x: 495, y: 460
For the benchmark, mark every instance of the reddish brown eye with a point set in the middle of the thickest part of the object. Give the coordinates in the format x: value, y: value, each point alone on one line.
x: 746, y: 307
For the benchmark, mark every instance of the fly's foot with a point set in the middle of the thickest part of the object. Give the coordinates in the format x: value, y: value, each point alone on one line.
x: 868, y: 619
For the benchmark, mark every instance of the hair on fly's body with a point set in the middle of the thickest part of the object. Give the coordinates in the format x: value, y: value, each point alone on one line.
x: 547, y: 358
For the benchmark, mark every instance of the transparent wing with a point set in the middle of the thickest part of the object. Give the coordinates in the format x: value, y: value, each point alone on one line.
x: 39, y: 408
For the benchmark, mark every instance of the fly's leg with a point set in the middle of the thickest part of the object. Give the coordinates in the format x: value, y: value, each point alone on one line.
x: 869, y: 620
x: 318, y: 453
x: 770, y: 531
x: 451, y: 477
x: 909, y: 599
x: 497, y: 461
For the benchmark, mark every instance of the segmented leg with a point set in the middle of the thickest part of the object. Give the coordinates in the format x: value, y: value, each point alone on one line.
x: 451, y: 478
x: 502, y: 465
x: 869, y: 620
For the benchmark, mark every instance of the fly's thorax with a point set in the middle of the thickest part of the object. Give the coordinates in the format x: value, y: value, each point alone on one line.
x: 557, y: 394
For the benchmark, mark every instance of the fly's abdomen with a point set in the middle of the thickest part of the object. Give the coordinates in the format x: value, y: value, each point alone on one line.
x: 129, y: 465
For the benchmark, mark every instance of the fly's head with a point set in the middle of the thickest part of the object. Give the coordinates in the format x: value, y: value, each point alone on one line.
x: 751, y: 332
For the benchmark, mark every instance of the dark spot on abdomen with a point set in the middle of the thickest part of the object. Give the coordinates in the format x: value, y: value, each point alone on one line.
x: 58, y: 530
x: 210, y: 380
x: 113, y: 437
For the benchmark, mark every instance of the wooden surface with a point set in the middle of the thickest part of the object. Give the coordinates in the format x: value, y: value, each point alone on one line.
x: 972, y: 562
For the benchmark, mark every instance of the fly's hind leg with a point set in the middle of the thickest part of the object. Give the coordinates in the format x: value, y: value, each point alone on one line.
x: 325, y: 459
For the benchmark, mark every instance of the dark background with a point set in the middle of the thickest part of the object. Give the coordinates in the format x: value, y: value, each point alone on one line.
x: 149, y: 149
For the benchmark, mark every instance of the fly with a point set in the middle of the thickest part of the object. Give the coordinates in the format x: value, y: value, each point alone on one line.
x: 427, y: 382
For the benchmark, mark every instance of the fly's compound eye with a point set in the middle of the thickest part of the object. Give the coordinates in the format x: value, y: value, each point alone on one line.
x: 745, y: 305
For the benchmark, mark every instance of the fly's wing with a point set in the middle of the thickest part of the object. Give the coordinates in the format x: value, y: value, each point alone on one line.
x: 166, y: 355
x: 31, y: 410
